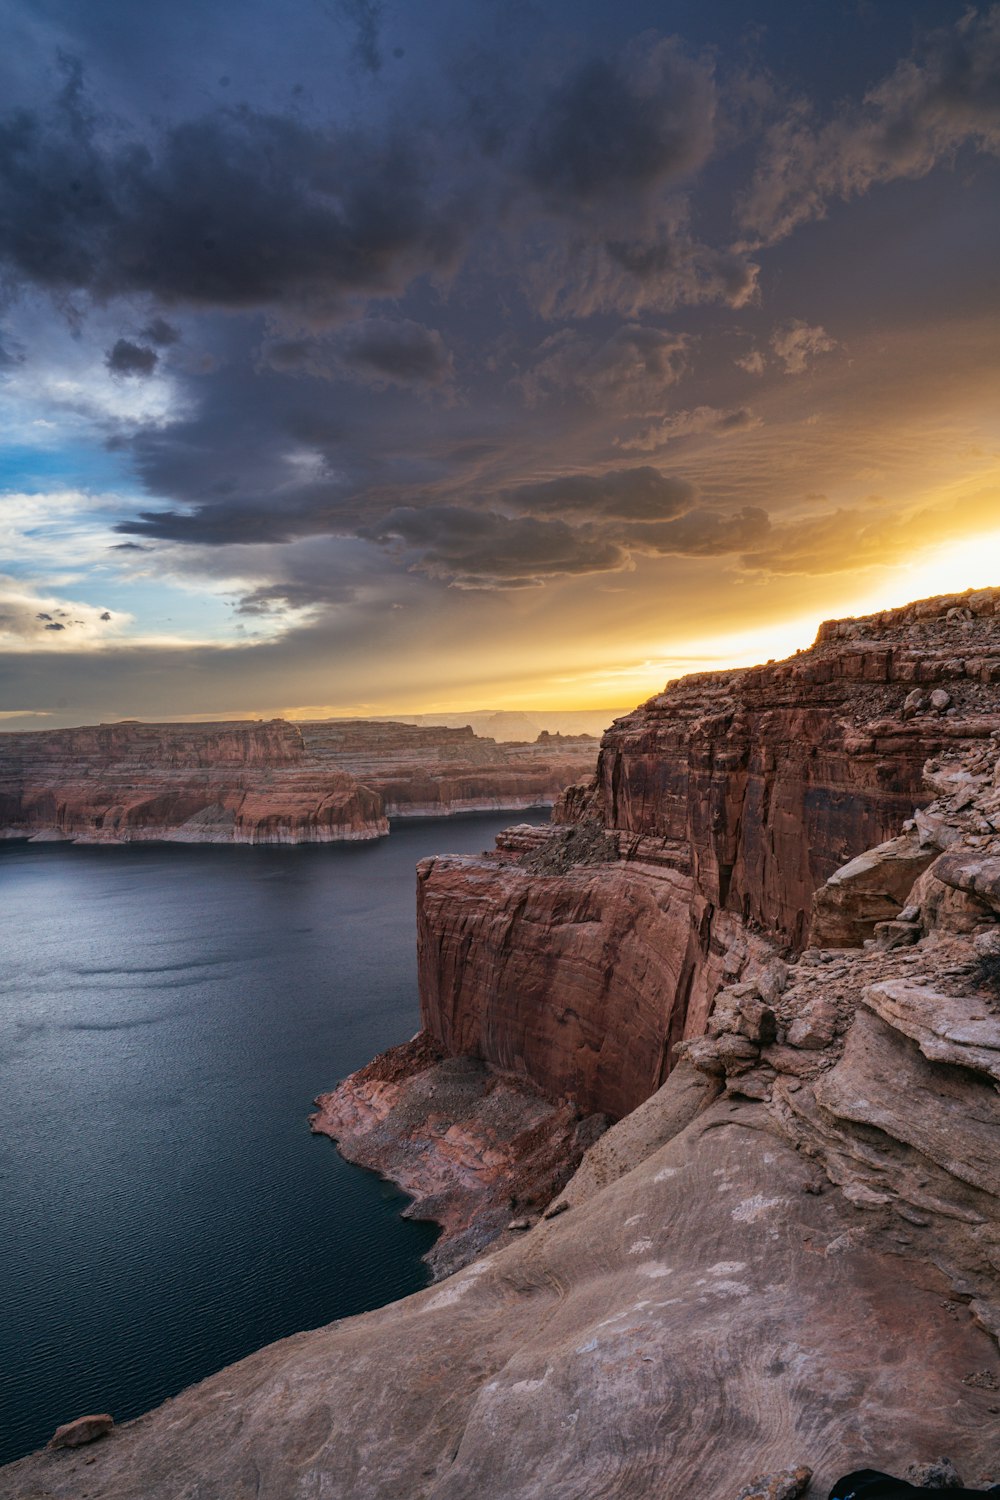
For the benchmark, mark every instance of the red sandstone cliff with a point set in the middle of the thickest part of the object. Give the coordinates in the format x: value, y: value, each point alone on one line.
x: 724, y: 803
x: 420, y: 770
x: 200, y: 783
x: 263, y: 783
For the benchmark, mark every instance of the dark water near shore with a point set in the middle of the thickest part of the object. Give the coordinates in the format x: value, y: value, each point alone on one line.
x: 167, y: 1015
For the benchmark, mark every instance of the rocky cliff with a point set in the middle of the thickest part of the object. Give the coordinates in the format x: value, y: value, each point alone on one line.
x: 262, y: 783
x: 247, y: 783
x: 578, y: 956
x: 420, y: 770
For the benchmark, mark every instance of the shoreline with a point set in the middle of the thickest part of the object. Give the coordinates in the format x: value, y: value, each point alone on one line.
x: 88, y: 840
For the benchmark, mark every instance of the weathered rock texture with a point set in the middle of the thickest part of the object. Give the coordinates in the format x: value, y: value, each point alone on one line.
x: 263, y: 783
x: 704, y: 1318
x: 475, y: 1149
x: 725, y: 802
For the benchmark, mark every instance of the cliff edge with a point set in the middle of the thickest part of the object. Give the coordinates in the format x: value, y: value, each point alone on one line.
x: 578, y: 955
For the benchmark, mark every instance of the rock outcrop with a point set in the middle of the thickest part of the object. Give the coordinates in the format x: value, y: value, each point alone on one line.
x: 476, y: 1150
x: 263, y: 783
x: 82, y: 1430
x: 725, y: 802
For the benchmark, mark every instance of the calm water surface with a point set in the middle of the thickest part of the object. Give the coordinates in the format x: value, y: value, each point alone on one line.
x: 166, y: 1017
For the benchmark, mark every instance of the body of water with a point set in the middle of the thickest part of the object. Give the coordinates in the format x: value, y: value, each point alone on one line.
x: 167, y: 1015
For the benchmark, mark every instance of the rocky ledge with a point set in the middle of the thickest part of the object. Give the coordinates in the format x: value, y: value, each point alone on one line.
x: 264, y: 783
x: 474, y: 1149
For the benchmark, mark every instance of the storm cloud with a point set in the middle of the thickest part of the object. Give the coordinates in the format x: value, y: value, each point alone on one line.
x: 382, y: 341
x: 376, y: 351
x: 946, y: 95
x: 618, y: 129
x: 127, y: 358
x: 237, y: 209
x: 475, y: 549
x: 630, y: 494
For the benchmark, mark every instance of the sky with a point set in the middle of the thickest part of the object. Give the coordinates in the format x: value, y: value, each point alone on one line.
x: 359, y: 356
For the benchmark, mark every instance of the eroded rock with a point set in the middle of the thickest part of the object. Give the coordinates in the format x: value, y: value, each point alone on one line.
x: 82, y: 1430
x: 787, y: 1484
x: 264, y: 783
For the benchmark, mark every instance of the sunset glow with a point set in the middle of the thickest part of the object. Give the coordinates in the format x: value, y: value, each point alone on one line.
x: 607, y: 348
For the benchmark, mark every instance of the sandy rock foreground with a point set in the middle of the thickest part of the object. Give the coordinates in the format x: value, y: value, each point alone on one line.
x: 704, y: 1316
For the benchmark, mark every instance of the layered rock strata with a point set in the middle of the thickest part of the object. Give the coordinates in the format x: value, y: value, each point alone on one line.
x: 473, y: 1148
x: 244, y: 783
x: 262, y: 783
x: 419, y: 770
x: 724, y: 803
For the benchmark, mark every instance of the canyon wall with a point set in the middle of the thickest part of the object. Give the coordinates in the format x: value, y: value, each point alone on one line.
x: 577, y: 956
x: 263, y: 783
x: 421, y: 770
x: 198, y: 783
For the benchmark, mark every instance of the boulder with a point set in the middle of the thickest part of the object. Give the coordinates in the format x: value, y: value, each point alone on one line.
x: 82, y: 1430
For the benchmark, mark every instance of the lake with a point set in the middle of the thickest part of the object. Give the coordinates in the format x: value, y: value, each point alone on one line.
x: 167, y: 1015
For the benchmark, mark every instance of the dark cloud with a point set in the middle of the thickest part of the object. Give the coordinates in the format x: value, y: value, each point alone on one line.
x: 366, y: 18
x: 477, y: 549
x: 237, y: 209
x: 618, y: 129
x: 703, y: 533
x: 159, y: 331
x: 487, y: 549
x: 376, y: 351
x: 105, y: 616
x: 630, y: 370
x: 131, y: 359
x: 630, y: 494
x: 396, y: 350
x: 242, y: 208
x: 328, y: 586
x: 55, y: 625
x: 946, y: 95
x: 609, y: 148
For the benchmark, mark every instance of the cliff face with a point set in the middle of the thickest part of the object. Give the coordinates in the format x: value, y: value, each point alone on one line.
x: 261, y: 783
x: 199, y: 783
x: 421, y: 770
x: 725, y: 802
